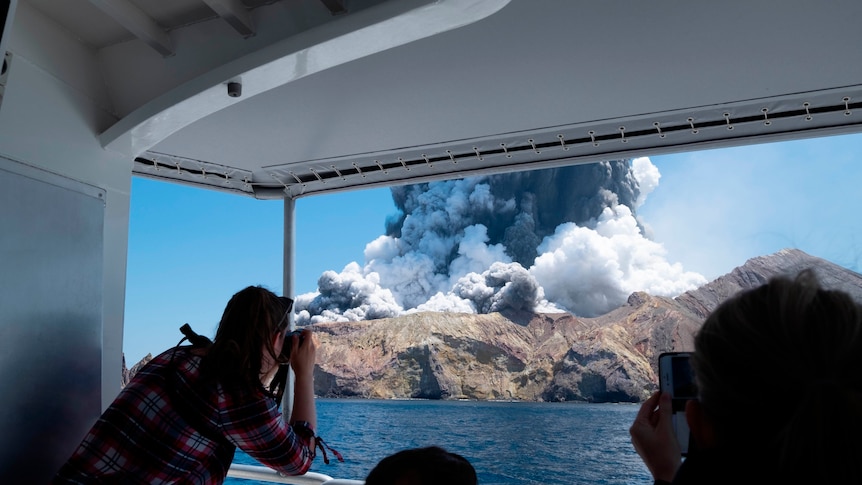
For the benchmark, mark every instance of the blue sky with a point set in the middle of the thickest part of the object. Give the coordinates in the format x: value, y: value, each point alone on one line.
x: 190, y: 249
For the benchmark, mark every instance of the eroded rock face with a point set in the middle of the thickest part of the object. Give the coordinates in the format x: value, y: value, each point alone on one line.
x: 129, y: 373
x: 554, y: 357
x: 534, y: 357
x: 757, y: 271
x: 544, y: 357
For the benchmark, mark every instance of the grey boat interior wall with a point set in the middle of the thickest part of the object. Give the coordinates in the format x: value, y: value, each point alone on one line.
x: 64, y: 212
x: 50, y: 318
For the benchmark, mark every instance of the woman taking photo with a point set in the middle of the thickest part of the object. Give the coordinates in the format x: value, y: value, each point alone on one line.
x: 184, y: 414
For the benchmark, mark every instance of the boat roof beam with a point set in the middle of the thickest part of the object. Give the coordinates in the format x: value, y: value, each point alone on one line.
x: 806, y: 115
x: 335, y: 6
x: 138, y: 23
x: 234, y: 13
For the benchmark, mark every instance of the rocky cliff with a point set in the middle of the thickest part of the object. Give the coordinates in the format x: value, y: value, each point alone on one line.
x: 757, y: 271
x: 128, y: 373
x: 544, y: 357
x: 536, y: 357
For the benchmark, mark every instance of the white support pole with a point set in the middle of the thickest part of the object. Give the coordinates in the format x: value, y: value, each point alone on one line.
x: 287, y: 290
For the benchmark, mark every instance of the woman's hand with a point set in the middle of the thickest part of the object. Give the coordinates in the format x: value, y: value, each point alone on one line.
x: 654, y: 439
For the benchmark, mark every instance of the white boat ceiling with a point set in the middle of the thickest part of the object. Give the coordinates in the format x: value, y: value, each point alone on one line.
x: 340, y: 95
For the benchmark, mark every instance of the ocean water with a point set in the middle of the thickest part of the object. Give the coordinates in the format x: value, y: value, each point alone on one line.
x: 509, y: 443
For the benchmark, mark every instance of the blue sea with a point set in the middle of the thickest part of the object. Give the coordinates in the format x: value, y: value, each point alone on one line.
x: 509, y: 443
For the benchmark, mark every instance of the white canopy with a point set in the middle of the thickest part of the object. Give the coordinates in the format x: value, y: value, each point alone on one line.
x: 339, y: 95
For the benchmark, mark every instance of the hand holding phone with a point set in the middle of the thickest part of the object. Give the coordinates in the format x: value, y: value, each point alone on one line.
x: 676, y: 377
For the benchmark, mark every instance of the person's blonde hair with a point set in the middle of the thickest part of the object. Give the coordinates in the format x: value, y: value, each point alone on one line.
x: 779, y: 372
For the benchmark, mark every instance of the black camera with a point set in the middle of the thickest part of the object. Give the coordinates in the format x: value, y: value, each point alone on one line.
x: 288, y: 343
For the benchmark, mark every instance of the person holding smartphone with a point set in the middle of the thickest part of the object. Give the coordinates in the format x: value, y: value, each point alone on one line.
x: 778, y: 370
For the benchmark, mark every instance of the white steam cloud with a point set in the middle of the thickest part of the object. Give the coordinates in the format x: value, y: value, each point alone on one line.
x: 563, y: 239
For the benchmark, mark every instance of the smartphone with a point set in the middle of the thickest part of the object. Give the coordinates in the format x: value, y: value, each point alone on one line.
x: 676, y: 377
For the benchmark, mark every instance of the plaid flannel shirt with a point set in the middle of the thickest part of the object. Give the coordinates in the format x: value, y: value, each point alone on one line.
x: 148, y: 434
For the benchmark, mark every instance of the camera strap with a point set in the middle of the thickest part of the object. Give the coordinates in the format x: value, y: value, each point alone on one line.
x: 181, y: 404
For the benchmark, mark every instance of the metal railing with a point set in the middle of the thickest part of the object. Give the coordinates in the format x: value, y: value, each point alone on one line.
x: 264, y: 474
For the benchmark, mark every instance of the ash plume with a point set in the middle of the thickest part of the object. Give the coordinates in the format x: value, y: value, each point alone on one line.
x: 561, y: 239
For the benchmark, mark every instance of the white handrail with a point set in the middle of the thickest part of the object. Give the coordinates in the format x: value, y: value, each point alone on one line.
x: 264, y: 474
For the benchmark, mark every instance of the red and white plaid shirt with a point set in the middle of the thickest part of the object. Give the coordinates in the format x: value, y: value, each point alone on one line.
x: 151, y: 435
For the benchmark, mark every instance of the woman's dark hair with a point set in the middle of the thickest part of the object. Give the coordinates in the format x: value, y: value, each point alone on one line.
x: 250, y: 320
x: 779, y: 373
x: 431, y: 465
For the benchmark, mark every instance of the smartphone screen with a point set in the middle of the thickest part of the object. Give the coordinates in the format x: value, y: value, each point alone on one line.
x: 677, y: 378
